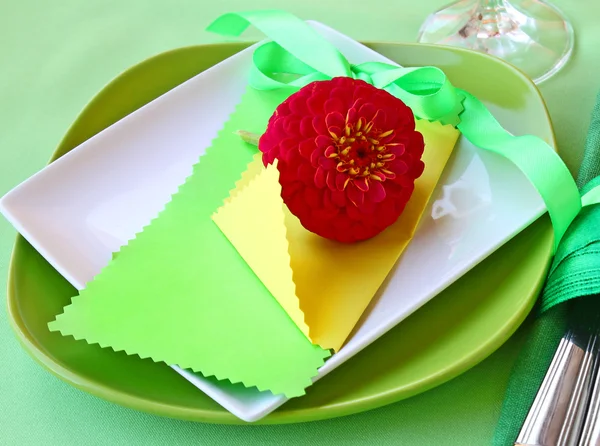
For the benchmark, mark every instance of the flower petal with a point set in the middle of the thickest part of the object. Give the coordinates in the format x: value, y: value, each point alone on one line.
x: 340, y: 181
x: 362, y: 184
x: 376, y: 192
x: 322, y: 141
x: 357, y: 104
x: 320, y: 177
x: 359, y: 231
x: 283, y: 109
x: 334, y: 105
x: 398, y: 166
x: 417, y: 169
x: 291, y: 157
x: 331, y: 174
x: 268, y: 158
x: 298, y: 105
x: 355, y: 195
x: 291, y: 188
x: 353, y: 212
x: 367, y: 111
x: 334, y: 130
x: 324, y: 215
x: 417, y: 144
x: 318, y: 123
x: 342, y: 224
x: 343, y: 82
x: 297, y: 205
x: 276, y: 129
x: 327, y: 163
x: 306, y: 128
x: 368, y: 207
x: 334, y: 119
x: 314, y: 158
x: 306, y: 148
x: 379, y: 119
x: 306, y: 174
x: 330, y: 152
x: 313, y: 197
x: 403, y: 181
x: 316, y: 103
x: 397, y: 150
x: 327, y: 203
x: 338, y: 198
x: 292, y: 127
x: 285, y: 146
x: 351, y: 116
x: 344, y: 94
x: 266, y: 143
x: 385, y: 215
x: 363, y: 91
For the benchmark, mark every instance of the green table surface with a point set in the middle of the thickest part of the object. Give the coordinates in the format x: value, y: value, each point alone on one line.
x: 54, y: 56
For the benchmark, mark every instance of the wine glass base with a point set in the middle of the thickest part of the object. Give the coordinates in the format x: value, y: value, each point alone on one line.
x: 529, y: 34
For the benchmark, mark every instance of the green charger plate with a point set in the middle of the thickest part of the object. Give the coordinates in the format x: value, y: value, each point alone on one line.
x: 455, y: 331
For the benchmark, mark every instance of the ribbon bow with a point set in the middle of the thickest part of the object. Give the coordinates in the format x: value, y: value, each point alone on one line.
x: 298, y: 55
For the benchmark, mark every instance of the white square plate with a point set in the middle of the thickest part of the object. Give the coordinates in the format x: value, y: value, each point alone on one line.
x: 80, y: 209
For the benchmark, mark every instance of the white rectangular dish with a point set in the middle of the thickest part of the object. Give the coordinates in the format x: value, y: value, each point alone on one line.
x: 80, y: 209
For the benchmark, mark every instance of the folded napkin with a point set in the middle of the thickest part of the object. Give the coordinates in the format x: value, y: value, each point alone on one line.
x: 574, y: 273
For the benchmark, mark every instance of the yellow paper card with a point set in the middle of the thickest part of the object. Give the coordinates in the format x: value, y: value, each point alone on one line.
x: 253, y: 221
x: 323, y: 285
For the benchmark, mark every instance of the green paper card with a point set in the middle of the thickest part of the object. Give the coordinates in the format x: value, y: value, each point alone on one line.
x: 180, y: 293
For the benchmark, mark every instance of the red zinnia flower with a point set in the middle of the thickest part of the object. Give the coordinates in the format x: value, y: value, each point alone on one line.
x: 348, y: 156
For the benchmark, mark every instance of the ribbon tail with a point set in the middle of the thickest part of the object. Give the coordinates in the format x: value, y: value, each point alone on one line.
x: 541, y: 165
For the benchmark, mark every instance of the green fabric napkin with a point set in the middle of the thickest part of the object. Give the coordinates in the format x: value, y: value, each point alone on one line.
x: 574, y: 273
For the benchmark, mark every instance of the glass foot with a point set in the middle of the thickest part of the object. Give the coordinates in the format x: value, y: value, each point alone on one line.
x: 529, y: 34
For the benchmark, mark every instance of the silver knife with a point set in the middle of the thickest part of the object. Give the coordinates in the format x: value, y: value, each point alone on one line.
x: 557, y: 415
x: 590, y: 435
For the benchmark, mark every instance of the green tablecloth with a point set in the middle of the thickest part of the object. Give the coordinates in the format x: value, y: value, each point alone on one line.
x: 54, y: 56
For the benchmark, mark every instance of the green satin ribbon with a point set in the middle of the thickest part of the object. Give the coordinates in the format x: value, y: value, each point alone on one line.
x: 298, y: 55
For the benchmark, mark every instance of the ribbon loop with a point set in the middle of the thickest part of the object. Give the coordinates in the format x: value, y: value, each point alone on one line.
x: 275, y: 68
x: 291, y: 33
x: 358, y: 74
x: 426, y: 90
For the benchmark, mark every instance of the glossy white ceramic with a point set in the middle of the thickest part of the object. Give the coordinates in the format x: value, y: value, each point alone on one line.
x: 81, y: 208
